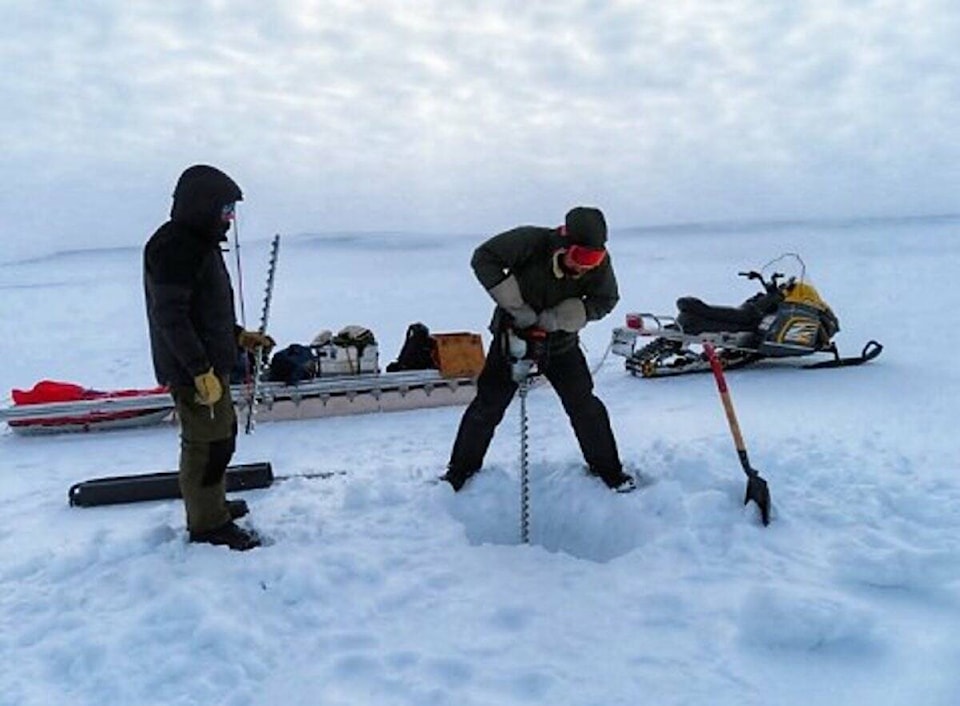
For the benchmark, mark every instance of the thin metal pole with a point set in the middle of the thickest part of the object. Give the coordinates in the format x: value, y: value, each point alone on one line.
x: 236, y: 251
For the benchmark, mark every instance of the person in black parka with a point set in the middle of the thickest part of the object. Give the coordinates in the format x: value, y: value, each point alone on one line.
x: 193, y: 339
x: 547, y: 284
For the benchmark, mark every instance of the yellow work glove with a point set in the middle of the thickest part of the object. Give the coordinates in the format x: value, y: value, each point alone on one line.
x: 251, y: 340
x: 209, y: 389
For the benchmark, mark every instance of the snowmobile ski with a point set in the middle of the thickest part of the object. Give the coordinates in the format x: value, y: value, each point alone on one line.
x: 870, y: 351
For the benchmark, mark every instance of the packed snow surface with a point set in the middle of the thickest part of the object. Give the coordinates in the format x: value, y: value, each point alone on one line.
x: 382, y: 587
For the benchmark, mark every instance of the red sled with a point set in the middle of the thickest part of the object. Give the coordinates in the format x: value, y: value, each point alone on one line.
x: 64, y: 406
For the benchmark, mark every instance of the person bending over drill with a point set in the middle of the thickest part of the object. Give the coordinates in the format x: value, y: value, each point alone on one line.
x: 547, y: 284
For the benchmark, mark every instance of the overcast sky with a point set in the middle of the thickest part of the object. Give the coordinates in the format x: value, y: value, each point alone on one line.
x: 473, y: 116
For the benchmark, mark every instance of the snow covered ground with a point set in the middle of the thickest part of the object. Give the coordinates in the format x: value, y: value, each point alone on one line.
x: 380, y: 588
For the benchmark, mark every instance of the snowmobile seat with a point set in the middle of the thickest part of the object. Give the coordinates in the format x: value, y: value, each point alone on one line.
x: 696, y: 316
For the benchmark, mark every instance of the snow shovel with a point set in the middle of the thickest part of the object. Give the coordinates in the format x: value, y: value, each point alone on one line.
x: 757, y: 489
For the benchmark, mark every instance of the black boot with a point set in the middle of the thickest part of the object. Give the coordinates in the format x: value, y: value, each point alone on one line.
x: 230, y: 535
x: 456, y: 478
x: 622, y: 484
x: 617, y: 480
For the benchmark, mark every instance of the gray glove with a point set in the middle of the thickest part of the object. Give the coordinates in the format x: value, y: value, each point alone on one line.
x: 507, y: 295
x: 569, y: 315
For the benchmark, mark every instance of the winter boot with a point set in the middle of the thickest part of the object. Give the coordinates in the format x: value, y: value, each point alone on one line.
x: 230, y: 535
x: 626, y: 484
x: 456, y: 478
x: 617, y: 480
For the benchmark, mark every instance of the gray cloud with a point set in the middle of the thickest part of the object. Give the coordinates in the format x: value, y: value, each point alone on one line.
x: 474, y: 115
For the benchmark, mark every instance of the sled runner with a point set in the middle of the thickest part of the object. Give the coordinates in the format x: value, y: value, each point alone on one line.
x: 325, y: 379
x: 322, y: 397
x: 787, y: 319
x: 51, y: 407
x: 325, y: 387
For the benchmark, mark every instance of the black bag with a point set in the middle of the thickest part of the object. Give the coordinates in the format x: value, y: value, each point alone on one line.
x: 417, y: 351
x: 293, y: 364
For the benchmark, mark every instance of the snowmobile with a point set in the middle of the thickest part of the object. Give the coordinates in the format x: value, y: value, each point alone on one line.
x: 787, y: 319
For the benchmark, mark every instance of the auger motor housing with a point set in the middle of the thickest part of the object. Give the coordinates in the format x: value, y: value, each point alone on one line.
x: 521, y: 367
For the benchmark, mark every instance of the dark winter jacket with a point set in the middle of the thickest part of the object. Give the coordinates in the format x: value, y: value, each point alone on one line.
x: 527, y: 253
x: 188, y: 293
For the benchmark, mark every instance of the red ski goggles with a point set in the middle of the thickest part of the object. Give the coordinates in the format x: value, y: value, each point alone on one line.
x: 585, y: 258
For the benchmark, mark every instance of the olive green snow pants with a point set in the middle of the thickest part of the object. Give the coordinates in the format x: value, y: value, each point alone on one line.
x: 208, y: 437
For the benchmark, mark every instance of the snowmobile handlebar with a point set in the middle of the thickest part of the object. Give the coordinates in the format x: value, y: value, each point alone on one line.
x: 772, y: 285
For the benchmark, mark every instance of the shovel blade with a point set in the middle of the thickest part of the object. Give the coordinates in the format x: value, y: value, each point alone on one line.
x: 759, y: 492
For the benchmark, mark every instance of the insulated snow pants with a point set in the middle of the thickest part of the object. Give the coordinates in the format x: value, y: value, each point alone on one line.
x: 570, y: 377
x: 207, y: 443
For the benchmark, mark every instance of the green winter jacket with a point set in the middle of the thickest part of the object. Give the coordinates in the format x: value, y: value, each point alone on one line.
x: 527, y: 253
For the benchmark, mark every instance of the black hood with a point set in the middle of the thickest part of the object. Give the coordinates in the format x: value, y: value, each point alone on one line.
x: 199, y: 197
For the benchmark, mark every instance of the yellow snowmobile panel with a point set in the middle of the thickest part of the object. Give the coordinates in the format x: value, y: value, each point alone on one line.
x: 805, y: 293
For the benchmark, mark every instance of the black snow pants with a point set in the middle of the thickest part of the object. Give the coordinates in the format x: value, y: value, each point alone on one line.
x: 570, y: 377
